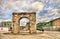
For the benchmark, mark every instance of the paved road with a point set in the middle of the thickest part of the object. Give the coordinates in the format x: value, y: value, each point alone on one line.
x: 39, y: 35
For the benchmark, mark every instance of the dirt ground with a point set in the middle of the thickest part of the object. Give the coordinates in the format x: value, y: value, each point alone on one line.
x: 39, y: 35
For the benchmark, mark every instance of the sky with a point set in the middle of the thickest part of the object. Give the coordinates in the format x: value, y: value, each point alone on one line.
x: 46, y: 10
x: 24, y: 21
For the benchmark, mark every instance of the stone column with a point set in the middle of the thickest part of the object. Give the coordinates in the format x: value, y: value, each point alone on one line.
x: 32, y: 24
x: 15, y: 26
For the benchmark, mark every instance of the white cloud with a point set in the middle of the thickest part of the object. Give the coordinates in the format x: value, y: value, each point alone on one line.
x: 5, y: 20
x: 30, y: 5
x: 56, y: 1
x: 10, y: 5
x: 44, y: 19
x: 38, y: 6
x: 35, y: 6
x: 19, y: 5
x: 52, y: 14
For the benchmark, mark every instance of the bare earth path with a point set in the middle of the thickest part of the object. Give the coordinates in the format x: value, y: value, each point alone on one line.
x: 45, y: 35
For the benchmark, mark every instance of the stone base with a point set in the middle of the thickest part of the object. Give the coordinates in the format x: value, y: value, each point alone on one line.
x: 32, y: 32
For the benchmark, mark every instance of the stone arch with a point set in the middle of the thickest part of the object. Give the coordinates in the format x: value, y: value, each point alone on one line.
x: 26, y: 27
x: 30, y: 15
x: 23, y: 17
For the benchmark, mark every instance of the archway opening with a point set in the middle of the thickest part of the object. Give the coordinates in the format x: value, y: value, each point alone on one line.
x: 24, y: 24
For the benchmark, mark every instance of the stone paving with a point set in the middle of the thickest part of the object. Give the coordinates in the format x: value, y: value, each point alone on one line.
x: 40, y: 35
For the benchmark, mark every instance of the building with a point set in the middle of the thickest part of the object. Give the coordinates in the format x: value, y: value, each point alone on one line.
x: 51, y: 25
x: 6, y: 24
x: 55, y: 25
x: 56, y: 22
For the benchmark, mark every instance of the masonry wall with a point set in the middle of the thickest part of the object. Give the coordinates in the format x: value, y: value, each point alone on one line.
x: 56, y: 22
x: 30, y: 15
x: 55, y: 26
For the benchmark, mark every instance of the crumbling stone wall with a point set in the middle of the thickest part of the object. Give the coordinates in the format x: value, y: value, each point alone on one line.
x: 30, y: 15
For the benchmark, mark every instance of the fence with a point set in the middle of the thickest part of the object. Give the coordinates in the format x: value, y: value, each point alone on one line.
x: 52, y: 28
